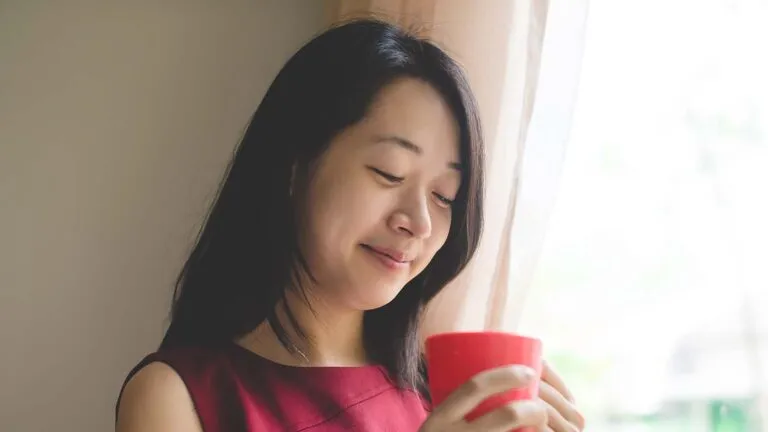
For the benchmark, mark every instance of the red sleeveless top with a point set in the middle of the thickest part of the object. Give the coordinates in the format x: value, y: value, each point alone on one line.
x: 234, y: 389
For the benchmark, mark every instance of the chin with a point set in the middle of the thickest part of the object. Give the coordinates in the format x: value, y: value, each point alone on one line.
x: 379, y: 296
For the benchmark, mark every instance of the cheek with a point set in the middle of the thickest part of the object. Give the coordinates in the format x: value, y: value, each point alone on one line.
x: 440, y: 228
x: 341, y: 212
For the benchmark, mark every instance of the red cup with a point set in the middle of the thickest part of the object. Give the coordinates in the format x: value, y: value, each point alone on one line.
x: 454, y: 358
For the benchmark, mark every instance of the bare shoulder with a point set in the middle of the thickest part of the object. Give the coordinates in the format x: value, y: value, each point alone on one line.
x: 156, y: 399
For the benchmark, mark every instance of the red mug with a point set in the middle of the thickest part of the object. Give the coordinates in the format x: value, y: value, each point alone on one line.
x: 453, y: 358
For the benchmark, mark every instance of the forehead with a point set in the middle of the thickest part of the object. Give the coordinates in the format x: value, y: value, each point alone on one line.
x: 414, y: 110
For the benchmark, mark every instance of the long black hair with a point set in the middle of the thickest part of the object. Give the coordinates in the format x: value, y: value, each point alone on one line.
x: 247, y: 253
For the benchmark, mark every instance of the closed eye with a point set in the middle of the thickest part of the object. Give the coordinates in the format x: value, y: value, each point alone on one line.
x: 387, y: 176
x: 443, y: 201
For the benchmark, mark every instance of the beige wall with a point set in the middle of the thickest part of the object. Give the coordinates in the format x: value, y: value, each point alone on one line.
x: 116, y: 119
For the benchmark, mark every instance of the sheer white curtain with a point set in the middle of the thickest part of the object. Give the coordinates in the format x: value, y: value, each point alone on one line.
x: 545, y: 147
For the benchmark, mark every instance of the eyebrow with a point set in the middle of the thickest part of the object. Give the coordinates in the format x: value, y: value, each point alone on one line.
x: 410, y: 146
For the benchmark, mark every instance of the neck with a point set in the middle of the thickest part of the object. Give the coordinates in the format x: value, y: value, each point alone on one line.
x: 333, y: 336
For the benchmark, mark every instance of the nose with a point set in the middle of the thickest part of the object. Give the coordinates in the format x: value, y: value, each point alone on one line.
x: 413, y: 219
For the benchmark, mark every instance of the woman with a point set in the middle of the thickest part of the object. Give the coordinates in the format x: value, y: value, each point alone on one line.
x: 354, y: 197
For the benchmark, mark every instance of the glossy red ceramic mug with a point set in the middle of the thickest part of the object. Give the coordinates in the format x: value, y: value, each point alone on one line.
x: 453, y: 358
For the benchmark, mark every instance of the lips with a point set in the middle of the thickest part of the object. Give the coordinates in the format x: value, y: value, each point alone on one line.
x: 395, y: 255
x: 390, y: 259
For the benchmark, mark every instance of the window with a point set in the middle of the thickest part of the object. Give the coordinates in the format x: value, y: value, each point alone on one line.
x: 651, y: 292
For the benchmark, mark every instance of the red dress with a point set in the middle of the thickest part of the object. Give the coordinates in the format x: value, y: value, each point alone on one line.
x: 234, y: 389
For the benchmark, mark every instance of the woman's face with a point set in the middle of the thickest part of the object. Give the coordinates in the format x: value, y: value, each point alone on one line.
x: 378, y: 201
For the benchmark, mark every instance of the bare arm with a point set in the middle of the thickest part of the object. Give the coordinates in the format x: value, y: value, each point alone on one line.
x: 156, y: 400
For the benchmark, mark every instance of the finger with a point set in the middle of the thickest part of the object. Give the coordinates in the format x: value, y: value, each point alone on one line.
x: 557, y: 422
x: 512, y: 416
x: 481, y: 387
x: 551, y: 377
x: 562, y: 407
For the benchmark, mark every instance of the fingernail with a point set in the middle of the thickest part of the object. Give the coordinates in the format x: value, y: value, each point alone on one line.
x: 525, y: 372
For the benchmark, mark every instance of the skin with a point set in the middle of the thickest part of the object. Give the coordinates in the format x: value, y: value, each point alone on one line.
x: 376, y: 210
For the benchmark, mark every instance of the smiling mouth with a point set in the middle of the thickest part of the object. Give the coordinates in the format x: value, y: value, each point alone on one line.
x: 390, y: 259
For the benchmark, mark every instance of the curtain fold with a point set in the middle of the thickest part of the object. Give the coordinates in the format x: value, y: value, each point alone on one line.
x: 499, y: 43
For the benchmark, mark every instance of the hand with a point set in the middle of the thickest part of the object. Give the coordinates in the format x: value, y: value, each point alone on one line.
x: 561, y: 411
x: 449, y: 415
